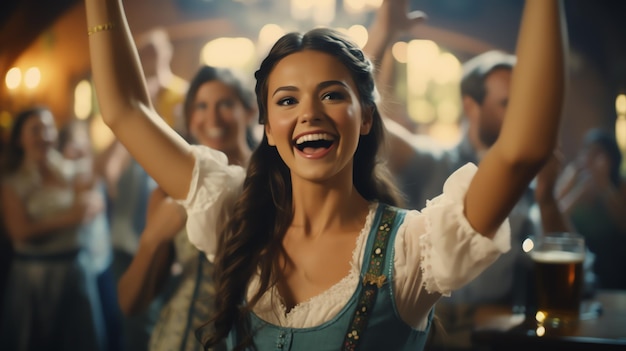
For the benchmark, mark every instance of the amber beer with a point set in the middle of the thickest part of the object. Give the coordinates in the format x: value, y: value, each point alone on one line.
x: 559, y: 279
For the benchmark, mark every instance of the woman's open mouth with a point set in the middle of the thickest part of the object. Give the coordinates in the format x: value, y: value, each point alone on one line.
x: 315, y: 145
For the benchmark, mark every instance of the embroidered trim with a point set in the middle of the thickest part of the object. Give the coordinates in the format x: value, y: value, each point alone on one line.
x: 372, y: 281
x: 429, y: 283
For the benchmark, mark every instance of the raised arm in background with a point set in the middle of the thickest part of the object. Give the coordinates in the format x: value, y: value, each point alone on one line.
x: 391, y: 21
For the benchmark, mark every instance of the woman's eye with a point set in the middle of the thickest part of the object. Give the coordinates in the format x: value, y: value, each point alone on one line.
x: 229, y: 103
x: 333, y: 95
x: 287, y: 101
x: 200, y: 106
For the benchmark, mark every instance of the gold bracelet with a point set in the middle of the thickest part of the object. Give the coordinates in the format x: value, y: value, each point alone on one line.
x: 100, y: 28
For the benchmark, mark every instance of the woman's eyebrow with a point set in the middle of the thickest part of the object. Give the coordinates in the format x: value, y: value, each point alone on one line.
x: 322, y: 85
x: 328, y: 83
x: 285, y: 88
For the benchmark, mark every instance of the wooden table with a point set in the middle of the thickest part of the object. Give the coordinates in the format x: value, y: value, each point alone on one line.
x: 602, y: 327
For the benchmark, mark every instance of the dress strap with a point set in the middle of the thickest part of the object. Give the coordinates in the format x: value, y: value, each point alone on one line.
x: 373, y: 279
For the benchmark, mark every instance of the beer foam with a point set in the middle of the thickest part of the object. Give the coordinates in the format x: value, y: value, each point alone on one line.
x: 557, y: 257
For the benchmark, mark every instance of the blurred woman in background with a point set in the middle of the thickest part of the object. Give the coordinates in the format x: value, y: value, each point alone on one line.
x: 52, y: 300
x: 218, y: 110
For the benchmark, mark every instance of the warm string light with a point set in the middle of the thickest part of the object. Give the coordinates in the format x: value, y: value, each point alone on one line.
x: 13, y: 78
x: 32, y: 78
x: 21, y: 87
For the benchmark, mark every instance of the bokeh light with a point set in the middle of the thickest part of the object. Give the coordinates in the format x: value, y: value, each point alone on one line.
x: 13, y: 78
x: 83, y: 97
x: 32, y: 77
x: 359, y: 34
x: 399, y: 51
x: 229, y: 52
x: 528, y: 245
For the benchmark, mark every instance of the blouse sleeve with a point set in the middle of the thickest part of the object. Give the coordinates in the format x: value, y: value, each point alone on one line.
x: 437, y: 250
x: 214, y: 186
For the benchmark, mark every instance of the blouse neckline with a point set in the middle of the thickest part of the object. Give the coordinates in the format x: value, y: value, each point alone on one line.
x: 271, y: 307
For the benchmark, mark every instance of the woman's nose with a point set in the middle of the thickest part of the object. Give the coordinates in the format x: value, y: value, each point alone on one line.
x: 209, y: 117
x: 310, y: 111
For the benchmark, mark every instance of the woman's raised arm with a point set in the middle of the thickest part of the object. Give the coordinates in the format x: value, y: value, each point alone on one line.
x: 530, y: 128
x: 125, y: 103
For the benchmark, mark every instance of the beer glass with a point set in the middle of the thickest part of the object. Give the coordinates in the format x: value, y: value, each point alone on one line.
x: 558, y: 269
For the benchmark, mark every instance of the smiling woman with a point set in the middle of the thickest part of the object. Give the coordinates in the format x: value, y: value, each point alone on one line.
x: 53, y: 217
x: 218, y: 108
x: 315, y: 97
x: 309, y: 250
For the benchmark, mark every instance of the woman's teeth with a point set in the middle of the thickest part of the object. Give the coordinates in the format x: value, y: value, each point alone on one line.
x: 314, y: 137
x: 214, y: 133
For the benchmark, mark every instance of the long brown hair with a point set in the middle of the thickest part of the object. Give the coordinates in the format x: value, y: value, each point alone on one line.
x: 251, y: 239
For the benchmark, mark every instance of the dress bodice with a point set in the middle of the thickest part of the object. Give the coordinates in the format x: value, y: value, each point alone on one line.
x: 384, y: 329
x: 41, y: 202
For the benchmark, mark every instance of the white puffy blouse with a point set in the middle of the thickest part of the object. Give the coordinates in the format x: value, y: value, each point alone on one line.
x: 436, y: 249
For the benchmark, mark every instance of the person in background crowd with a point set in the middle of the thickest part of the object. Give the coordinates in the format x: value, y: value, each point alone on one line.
x: 166, y: 89
x: 52, y: 299
x: 75, y: 144
x: 218, y: 111
x: 592, y: 193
